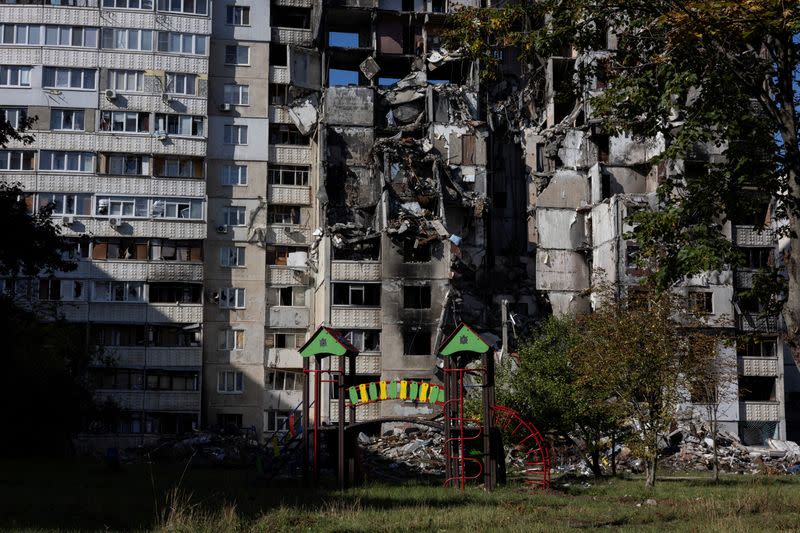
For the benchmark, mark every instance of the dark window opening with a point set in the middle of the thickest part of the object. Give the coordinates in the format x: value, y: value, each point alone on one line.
x: 368, y: 294
x: 368, y: 250
x: 290, y: 17
x: 757, y: 348
x: 278, y: 55
x: 407, y: 5
x: 414, y: 252
x: 285, y: 296
x: 756, y: 389
x: 229, y: 420
x: 701, y: 302
x: 176, y: 293
x: 756, y: 258
x: 417, y: 297
x: 749, y: 303
x: 417, y: 342
x: 286, y: 134
x: 279, y: 255
x: 605, y: 185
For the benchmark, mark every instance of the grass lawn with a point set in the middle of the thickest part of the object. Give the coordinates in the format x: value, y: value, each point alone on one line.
x: 38, y: 496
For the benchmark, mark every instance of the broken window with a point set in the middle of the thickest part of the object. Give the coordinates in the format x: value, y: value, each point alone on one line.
x: 230, y: 339
x: 701, y: 302
x: 289, y: 296
x: 282, y: 380
x: 279, y: 255
x: 175, y: 336
x: 414, y: 252
x: 118, y: 335
x: 282, y: 16
x: 286, y: 134
x: 118, y: 291
x: 748, y: 303
x: 283, y: 214
x: 757, y: 347
x: 287, y: 175
x: 277, y: 420
x: 171, y: 250
x: 417, y: 297
x: 278, y: 94
x: 232, y: 298
x: 368, y: 250
x: 232, y: 256
x: 278, y: 55
x: 756, y: 389
x: 187, y: 293
x: 285, y: 339
x: 417, y: 342
x: 365, y: 340
x: 366, y: 294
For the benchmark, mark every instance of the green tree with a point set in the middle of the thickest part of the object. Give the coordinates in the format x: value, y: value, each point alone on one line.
x: 548, y: 388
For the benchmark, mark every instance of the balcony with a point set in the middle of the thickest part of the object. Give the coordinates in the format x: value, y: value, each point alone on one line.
x: 153, y: 400
x: 279, y: 114
x: 759, y: 411
x: 296, y: 36
x: 33, y: 14
x: 100, y: 227
x: 189, y: 105
x: 744, y: 279
x: 279, y: 74
x: 289, y: 154
x: 289, y: 194
x: 181, y: 313
x: 277, y: 275
x: 348, y: 317
x: 146, y: 271
x: 283, y: 399
x: 287, y: 234
x: 747, y: 236
x: 292, y: 3
x: 368, y: 363
x: 356, y: 270
x: 753, y: 322
x: 758, y: 366
x: 368, y: 411
x: 288, y: 317
x: 284, y: 358
x: 159, y: 357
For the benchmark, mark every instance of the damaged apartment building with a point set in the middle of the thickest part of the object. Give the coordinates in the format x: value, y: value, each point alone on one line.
x: 235, y: 174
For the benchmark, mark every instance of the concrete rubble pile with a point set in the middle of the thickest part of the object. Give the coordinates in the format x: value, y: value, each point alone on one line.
x: 403, y: 453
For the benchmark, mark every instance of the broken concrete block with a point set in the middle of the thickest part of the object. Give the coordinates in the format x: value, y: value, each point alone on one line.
x: 369, y: 67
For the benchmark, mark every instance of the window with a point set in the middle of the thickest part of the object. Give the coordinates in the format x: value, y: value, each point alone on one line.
x: 366, y: 340
x: 280, y: 380
x: 67, y: 161
x: 233, y: 216
x: 196, y: 7
x: 15, y: 116
x: 237, y: 15
x: 127, y: 248
x: 287, y: 175
x: 118, y: 291
x: 178, y: 208
x: 756, y: 389
x: 234, y: 134
x: 287, y: 296
x: 179, y: 168
x: 20, y: 34
x: 232, y: 298
x: 126, y: 80
x: 181, y: 83
x: 116, y: 206
x: 66, y: 203
x: 367, y: 294
x: 180, y: 124
x: 278, y: 94
x: 171, y: 250
x: 291, y: 17
x: 80, y: 36
x: 127, y: 165
x: 127, y: 39
x: 125, y: 122
x: 236, y: 94
x: 232, y: 256
x: 237, y: 55
x: 231, y: 339
x: 181, y: 43
x: 275, y: 420
x: 756, y: 258
x: 129, y: 4
x: 50, y: 289
x: 417, y: 342
x: 234, y: 175
x: 279, y: 255
x: 68, y: 78
x: 16, y: 160
x: 417, y: 297
x: 15, y: 76
x: 66, y: 119
x: 225, y: 420
x: 701, y: 302
x: 283, y: 214
x: 161, y: 380
x: 286, y: 134
x: 118, y: 335
x: 167, y: 293
x: 413, y: 252
x: 757, y: 348
x: 290, y: 340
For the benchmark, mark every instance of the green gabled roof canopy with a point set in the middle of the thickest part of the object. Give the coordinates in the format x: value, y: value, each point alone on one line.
x: 326, y: 341
x: 463, y: 339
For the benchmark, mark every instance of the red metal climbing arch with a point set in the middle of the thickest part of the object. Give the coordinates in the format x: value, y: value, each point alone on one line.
x: 526, y: 439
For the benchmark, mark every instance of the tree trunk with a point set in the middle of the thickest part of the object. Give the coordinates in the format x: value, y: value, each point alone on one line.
x: 595, y: 466
x: 651, y: 463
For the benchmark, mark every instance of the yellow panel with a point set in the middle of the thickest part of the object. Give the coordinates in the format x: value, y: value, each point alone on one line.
x: 382, y: 385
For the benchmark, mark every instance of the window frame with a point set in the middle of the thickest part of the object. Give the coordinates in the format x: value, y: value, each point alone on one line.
x: 23, y: 72
x: 233, y: 256
x: 234, y: 175
x: 237, y: 60
x: 232, y: 134
x: 233, y: 298
x: 236, y: 385
x: 231, y: 12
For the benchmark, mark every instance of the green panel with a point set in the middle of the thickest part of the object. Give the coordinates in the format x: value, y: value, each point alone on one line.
x: 373, y: 391
x: 353, y: 395
x: 393, y: 388
x: 441, y: 395
x: 414, y: 390
x: 323, y: 343
x: 433, y: 394
x: 464, y: 340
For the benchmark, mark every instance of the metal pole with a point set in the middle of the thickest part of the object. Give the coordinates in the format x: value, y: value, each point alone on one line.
x: 306, y: 402
x: 340, y: 385
x: 490, y: 460
x: 317, y: 410
x: 350, y: 382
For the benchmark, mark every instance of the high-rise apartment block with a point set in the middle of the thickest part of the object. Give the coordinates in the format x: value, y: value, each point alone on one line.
x: 235, y: 173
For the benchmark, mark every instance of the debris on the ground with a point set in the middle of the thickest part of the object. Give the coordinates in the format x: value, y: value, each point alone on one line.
x: 403, y: 453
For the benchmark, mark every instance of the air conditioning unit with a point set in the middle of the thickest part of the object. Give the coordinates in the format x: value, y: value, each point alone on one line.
x: 115, y: 222
x: 165, y: 98
x: 226, y: 107
x: 67, y: 220
x: 111, y: 94
x: 222, y: 229
x: 161, y: 135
